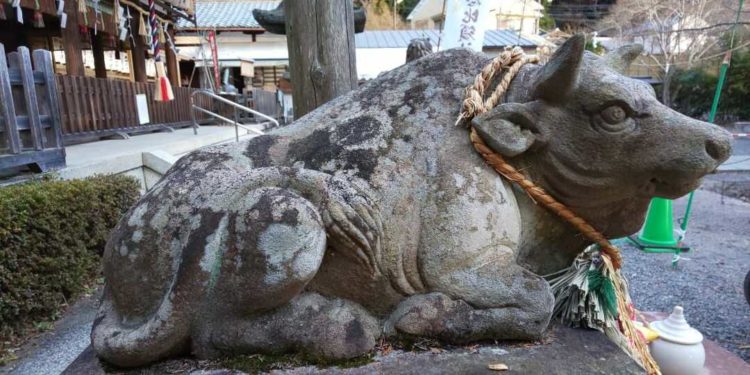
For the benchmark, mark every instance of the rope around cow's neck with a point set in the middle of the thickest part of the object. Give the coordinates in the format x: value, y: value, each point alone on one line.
x: 474, y: 104
x: 512, y: 61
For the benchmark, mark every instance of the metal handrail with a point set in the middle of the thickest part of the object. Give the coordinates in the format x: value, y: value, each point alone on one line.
x: 236, y: 123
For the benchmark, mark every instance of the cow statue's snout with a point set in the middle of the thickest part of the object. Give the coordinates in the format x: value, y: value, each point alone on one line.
x: 718, y: 144
x: 692, y: 149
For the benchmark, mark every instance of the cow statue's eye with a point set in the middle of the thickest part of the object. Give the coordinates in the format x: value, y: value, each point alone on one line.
x: 614, y: 118
x: 614, y: 114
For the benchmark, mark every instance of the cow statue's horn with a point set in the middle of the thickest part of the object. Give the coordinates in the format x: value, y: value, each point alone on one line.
x: 621, y: 58
x: 559, y: 76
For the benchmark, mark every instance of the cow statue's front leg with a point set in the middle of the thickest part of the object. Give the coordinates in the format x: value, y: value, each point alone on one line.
x: 518, y: 307
x: 474, y: 288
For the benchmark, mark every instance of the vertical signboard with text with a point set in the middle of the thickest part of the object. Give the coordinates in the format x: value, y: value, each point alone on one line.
x: 465, y: 23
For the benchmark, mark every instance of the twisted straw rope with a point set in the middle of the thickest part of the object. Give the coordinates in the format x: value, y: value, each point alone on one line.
x: 474, y: 104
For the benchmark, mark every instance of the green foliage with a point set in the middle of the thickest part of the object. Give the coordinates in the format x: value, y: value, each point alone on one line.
x: 694, y: 90
x: 546, y: 23
x: 599, y: 49
x: 52, y: 234
x: 404, y: 8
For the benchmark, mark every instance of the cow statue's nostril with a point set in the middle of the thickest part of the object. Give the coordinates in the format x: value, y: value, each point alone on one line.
x: 718, y: 150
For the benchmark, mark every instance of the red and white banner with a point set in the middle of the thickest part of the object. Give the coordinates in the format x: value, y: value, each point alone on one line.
x: 215, y: 56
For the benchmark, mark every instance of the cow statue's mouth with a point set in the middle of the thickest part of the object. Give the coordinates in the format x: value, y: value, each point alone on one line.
x: 670, y: 189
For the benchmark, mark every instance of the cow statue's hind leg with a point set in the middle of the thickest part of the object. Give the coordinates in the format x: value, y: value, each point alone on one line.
x: 239, y: 272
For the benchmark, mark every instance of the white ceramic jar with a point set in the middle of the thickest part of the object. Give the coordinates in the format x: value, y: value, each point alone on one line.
x: 679, y: 348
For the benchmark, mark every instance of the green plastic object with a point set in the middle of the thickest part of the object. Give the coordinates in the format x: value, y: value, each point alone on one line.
x: 658, y: 229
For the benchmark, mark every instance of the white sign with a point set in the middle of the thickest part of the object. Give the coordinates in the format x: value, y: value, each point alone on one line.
x: 465, y: 23
x: 141, y: 104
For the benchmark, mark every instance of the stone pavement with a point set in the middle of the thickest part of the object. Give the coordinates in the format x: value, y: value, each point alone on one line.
x: 119, y: 155
x: 51, y: 352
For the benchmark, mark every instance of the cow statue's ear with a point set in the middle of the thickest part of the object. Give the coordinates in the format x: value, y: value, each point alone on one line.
x: 508, y: 129
x: 557, y: 78
x: 621, y: 58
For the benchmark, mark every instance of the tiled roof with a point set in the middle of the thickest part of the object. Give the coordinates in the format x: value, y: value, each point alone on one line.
x: 227, y: 14
x: 401, y: 38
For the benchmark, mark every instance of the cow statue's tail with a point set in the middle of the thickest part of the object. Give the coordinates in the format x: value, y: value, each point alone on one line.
x: 165, y: 333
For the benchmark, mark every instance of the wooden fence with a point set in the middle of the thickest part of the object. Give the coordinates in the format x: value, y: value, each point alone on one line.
x: 94, y: 108
x: 30, y: 126
x: 41, y: 112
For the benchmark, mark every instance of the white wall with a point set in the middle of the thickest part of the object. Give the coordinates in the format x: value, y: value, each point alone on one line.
x: 373, y: 61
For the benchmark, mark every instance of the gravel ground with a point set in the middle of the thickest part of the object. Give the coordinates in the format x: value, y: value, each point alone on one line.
x: 708, y: 281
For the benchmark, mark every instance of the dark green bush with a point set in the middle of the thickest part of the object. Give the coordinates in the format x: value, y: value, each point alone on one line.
x: 695, y: 90
x: 51, y: 236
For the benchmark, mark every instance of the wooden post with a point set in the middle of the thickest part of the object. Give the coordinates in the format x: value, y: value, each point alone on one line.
x: 7, y: 106
x: 29, y: 92
x: 138, y: 48
x: 97, y: 48
x: 173, y: 69
x: 43, y: 63
x: 72, y: 41
x: 322, y: 60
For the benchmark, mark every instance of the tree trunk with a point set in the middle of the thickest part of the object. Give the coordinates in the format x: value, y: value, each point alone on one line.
x: 666, y: 86
x: 320, y: 39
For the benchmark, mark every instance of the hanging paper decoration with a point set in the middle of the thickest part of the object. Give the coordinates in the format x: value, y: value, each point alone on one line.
x: 16, y: 4
x: 37, y: 19
x: 98, y: 17
x: 170, y: 42
x: 61, y: 13
x: 163, y: 87
x: 122, y: 21
x: 130, y: 27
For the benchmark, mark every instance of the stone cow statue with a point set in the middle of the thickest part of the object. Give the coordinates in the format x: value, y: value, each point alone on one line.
x: 373, y: 215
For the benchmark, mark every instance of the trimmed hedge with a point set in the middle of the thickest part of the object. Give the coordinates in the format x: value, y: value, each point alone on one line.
x: 52, y: 234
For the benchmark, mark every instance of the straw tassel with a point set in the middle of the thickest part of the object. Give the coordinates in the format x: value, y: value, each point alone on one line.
x: 82, y: 8
x: 163, y: 91
x: 142, y: 27
x: 38, y: 20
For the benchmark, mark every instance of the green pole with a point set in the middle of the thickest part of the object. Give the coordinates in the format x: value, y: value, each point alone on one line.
x: 714, y: 107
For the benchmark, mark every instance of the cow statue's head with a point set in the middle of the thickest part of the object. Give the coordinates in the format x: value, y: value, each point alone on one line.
x: 598, y: 141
